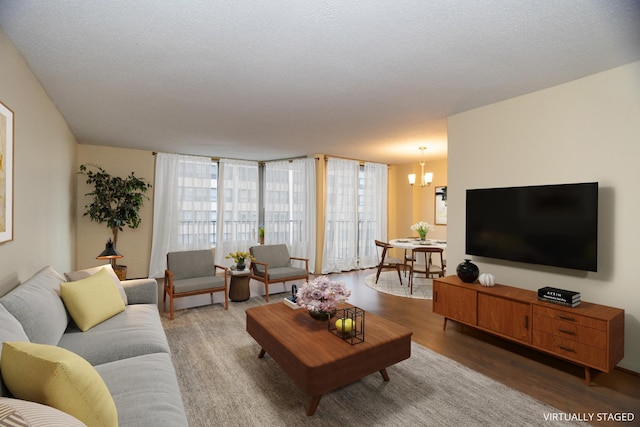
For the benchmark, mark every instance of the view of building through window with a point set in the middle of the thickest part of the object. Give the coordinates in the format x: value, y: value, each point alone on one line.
x: 281, y: 204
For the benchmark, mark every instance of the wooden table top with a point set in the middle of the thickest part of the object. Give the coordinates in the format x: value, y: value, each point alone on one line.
x: 316, y: 359
x: 310, y: 340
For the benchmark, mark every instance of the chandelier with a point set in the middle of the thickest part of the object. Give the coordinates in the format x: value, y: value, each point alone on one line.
x: 425, y: 178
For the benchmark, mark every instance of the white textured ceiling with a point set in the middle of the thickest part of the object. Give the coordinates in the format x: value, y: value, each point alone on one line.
x: 271, y: 79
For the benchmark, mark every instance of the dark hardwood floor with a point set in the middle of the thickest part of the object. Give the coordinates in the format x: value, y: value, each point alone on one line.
x: 550, y: 380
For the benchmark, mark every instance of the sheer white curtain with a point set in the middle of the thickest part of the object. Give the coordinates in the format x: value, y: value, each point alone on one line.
x: 290, y: 206
x: 237, y: 222
x: 373, y: 213
x: 182, y: 206
x: 340, y: 251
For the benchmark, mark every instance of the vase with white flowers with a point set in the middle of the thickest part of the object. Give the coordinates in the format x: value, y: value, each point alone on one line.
x: 321, y: 297
x: 422, y: 228
x: 240, y: 259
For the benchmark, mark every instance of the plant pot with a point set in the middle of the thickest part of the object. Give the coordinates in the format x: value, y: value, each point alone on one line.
x: 321, y: 315
x: 121, y: 272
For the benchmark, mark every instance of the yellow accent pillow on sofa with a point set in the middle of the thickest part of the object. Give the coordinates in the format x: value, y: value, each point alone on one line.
x: 58, y: 378
x: 92, y: 300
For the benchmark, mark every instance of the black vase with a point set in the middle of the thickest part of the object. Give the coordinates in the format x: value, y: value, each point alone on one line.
x: 467, y: 271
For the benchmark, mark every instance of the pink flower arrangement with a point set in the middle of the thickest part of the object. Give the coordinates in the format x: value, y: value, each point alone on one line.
x: 322, y: 294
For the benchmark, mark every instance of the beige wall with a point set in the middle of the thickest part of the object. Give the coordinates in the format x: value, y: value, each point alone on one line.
x: 44, y: 155
x: 134, y: 244
x: 585, y: 130
x: 412, y: 204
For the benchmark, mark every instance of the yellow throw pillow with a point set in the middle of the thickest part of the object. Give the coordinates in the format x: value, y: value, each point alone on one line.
x: 92, y: 300
x: 58, y: 378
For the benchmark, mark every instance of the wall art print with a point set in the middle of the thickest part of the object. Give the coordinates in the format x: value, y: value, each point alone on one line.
x: 6, y: 174
x: 441, y: 206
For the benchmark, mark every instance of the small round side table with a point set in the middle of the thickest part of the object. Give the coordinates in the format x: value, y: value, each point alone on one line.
x: 239, y: 286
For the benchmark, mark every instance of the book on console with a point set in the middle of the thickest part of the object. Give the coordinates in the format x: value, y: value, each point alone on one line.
x: 560, y: 302
x: 556, y: 297
x: 559, y: 293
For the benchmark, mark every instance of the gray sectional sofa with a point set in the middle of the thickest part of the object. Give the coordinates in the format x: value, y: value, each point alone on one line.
x: 130, y: 350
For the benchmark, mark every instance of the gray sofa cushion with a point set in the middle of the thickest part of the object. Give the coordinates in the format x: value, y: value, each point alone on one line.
x: 187, y: 264
x: 284, y: 272
x: 134, y: 332
x: 38, y: 307
x: 275, y: 256
x: 10, y: 330
x: 197, y: 283
x: 145, y: 391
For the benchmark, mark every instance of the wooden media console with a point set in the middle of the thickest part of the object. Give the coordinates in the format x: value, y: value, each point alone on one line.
x: 589, y: 335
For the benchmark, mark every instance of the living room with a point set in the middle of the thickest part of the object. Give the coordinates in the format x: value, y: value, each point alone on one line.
x: 582, y: 130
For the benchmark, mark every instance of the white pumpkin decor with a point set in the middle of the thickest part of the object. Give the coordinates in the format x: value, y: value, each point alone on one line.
x: 487, y: 279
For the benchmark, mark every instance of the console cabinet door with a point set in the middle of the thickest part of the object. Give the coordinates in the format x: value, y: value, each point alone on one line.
x: 506, y: 317
x: 455, y: 302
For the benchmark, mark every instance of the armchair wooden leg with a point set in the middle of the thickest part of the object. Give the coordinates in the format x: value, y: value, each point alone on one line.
x: 170, y: 307
x: 266, y: 291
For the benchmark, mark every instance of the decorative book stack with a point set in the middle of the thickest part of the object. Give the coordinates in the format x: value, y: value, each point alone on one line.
x: 291, y: 300
x: 559, y: 296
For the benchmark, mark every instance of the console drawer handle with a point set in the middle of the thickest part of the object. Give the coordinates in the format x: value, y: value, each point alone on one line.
x: 567, y: 349
x: 564, y: 331
x: 566, y: 318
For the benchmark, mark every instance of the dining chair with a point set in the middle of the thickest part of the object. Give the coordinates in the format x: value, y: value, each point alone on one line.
x: 429, y: 269
x: 386, y: 262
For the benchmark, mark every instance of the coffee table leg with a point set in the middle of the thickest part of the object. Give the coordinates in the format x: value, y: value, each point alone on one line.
x: 384, y: 374
x: 313, y: 405
x: 262, y: 353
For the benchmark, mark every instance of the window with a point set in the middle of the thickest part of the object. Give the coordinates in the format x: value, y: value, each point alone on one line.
x: 197, y: 197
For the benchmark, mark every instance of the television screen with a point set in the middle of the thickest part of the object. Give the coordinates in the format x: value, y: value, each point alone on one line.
x: 554, y: 225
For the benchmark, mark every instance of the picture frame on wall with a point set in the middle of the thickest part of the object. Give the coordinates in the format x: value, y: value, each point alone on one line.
x: 6, y: 173
x: 441, y: 206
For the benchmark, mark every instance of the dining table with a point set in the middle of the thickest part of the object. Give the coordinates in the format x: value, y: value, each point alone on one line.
x: 410, y: 243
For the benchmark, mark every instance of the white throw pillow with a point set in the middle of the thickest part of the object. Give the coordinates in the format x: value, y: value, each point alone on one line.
x: 34, y: 414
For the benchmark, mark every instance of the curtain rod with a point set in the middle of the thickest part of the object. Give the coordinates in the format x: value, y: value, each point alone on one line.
x: 362, y: 162
x: 290, y: 159
x: 215, y: 159
x: 261, y: 162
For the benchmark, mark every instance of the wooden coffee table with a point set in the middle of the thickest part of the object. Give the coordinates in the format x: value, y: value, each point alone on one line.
x: 319, y: 361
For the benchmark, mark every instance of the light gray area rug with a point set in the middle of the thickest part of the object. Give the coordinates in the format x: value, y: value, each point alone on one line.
x: 224, y: 383
x: 388, y: 283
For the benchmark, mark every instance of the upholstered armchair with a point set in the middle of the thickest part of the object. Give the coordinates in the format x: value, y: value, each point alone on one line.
x: 273, y: 265
x: 193, y: 273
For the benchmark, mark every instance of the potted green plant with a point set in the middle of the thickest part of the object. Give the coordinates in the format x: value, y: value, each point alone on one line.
x: 115, y: 202
x: 261, y: 234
